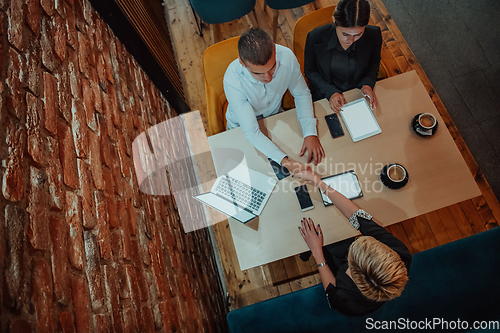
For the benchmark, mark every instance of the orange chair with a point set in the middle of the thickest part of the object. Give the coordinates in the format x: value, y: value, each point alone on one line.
x: 215, y: 60
x: 311, y: 21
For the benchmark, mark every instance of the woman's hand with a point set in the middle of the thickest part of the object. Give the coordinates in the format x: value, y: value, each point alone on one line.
x: 337, y: 101
x: 367, y: 91
x: 312, y: 235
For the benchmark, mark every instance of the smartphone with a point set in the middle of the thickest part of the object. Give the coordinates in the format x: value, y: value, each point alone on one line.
x: 334, y: 125
x: 304, y: 198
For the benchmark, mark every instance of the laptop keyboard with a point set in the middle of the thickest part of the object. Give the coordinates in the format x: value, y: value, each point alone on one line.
x: 242, y: 194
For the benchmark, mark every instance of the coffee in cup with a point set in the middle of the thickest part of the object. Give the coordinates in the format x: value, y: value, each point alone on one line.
x: 427, y: 121
x: 396, y: 173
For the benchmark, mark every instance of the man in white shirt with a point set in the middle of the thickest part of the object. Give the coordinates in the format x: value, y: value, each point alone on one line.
x: 254, y: 85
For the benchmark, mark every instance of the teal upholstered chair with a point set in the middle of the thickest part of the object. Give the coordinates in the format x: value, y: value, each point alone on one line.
x: 215, y: 12
x: 278, y: 5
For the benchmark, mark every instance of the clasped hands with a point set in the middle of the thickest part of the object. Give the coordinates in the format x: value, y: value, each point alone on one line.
x: 337, y: 100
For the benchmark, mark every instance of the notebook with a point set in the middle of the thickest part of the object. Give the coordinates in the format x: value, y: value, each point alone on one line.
x: 359, y: 119
x: 345, y: 183
x: 239, y: 192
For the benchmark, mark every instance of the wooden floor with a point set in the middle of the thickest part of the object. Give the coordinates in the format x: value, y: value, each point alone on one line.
x: 419, y: 233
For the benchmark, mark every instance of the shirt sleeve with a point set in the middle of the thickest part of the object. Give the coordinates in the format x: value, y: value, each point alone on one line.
x: 245, y: 117
x: 368, y: 227
x: 312, y: 72
x: 303, y: 100
x: 371, y: 72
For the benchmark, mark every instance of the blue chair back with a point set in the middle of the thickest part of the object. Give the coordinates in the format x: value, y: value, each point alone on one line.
x: 222, y: 11
x: 287, y: 4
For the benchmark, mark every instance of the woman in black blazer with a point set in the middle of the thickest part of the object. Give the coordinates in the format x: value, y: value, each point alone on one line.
x: 344, y: 55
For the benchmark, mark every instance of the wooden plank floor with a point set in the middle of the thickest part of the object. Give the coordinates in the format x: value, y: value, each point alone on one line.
x: 420, y: 233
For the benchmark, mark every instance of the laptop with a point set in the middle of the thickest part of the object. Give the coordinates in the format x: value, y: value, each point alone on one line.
x: 240, y: 192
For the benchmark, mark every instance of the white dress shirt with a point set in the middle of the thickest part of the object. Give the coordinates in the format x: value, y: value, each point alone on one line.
x: 248, y: 98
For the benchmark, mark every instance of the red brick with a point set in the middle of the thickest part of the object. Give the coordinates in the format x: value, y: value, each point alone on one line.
x: 87, y: 12
x: 64, y: 90
x: 80, y: 296
x: 37, y: 209
x: 74, y: 220
x: 132, y: 218
x: 113, y: 300
x: 147, y: 314
x: 67, y: 153
x: 115, y: 114
x: 96, y: 89
x: 93, y: 270
x: 67, y: 322
x: 74, y: 74
x: 123, y: 158
x: 54, y: 175
x: 143, y: 240
x: 103, y: 232
x: 20, y: 325
x: 115, y: 172
x: 59, y: 7
x: 105, y: 143
x: 51, y: 102
x: 90, y: 32
x: 95, y: 161
x: 13, y: 180
x: 89, y: 220
x: 107, y: 63
x: 42, y: 297
x: 59, y: 37
x: 141, y: 282
x: 36, y: 146
x: 72, y: 34
x: 101, y: 323
x: 88, y: 102
x: 114, y: 221
x: 107, y: 114
x: 159, y: 279
x: 32, y: 16
x: 15, y: 26
x: 130, y: 324
x: 170, y: 315
x: 16, y: 102
x: 48, y: 6
x: 59, y: 253
x: 33, y: 74
x: 101, y: 71
x: 80, y: 129
x: 83, y: 54
x: 126, y: 239
x: 131, y: 273
x: 14, y: 230
x: 48, y: 57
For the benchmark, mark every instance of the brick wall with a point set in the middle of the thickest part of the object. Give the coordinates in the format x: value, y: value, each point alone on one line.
x: 81, y: 248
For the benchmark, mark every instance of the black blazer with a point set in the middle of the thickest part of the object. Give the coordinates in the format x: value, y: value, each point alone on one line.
x: 323, y: 47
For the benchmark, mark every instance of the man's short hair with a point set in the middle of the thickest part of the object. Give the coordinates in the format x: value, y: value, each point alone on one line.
x: 256, y: 47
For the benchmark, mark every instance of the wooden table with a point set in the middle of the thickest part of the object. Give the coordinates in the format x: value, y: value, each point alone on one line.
x: 439, y: 177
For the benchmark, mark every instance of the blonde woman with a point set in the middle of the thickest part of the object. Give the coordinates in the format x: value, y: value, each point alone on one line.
x: 358, y: 275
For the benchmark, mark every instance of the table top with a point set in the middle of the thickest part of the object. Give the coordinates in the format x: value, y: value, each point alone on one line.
x: 438, y: 175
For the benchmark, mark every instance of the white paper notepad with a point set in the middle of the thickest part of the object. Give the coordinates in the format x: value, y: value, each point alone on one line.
x: 359, y: 119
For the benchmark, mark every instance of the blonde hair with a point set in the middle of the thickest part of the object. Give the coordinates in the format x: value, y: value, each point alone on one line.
x: 376, y: 269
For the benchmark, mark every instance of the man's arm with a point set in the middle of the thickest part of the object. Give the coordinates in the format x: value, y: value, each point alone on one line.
x: 305, y: 113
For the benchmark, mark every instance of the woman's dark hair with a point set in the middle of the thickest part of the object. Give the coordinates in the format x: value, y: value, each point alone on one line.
x: 256, y: 47
x: 352, y: 13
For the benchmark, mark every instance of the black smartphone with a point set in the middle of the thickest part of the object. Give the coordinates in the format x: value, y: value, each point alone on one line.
x: 304, y: 198
x: 334, y: 125
x: 280, y: 171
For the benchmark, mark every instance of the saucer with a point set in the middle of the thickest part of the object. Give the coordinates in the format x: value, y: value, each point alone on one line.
x: 388, y: 182
x: 421, y: 132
